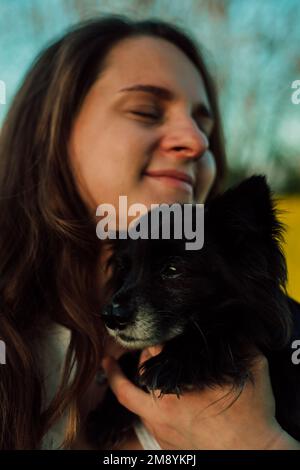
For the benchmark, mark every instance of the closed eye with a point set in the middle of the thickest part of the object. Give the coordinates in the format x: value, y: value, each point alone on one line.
x: 205, y: 128
x: 151, y: 116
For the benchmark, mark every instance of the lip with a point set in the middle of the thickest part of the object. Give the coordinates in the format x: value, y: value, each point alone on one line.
x: 173, y: 178
x: 172, y: 174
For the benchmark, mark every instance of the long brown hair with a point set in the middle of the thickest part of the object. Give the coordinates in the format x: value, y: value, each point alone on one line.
x: 48, y: 245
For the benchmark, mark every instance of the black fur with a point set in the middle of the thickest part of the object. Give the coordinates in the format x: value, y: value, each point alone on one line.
x: 227, y: 302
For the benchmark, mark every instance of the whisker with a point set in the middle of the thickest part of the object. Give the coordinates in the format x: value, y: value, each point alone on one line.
x: 202, y: 334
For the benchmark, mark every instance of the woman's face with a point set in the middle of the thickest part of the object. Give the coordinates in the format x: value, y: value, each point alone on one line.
x: 112, y: 147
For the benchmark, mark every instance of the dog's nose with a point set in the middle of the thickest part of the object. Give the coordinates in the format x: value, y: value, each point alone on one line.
x: 115, y: 316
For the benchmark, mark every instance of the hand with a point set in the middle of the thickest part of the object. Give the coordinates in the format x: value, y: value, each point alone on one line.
x: 206, y: 419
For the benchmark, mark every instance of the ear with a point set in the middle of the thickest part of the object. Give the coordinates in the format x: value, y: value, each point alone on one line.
x: 243, y: 222
x: 245, y: 211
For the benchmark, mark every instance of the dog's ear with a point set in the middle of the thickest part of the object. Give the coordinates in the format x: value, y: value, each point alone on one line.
x: 244, y: 222
x: 247, y: 209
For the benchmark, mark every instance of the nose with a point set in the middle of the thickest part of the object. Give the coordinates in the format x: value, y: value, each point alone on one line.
x: 186, y: 140
x: 116, y: 316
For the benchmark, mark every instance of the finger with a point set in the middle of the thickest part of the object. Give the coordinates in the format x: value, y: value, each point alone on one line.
x: 150, y: 352
x: 145, y: 355
x: 261, y: 376
x: 260, y: 364
x: 155, y: 350
x: 260, y: 369
x: 130, y: 396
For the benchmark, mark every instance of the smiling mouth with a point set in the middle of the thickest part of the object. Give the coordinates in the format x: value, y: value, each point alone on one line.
x: 172, y: 182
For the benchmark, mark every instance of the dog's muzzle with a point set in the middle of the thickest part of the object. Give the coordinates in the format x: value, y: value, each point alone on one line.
x: 116, y: 316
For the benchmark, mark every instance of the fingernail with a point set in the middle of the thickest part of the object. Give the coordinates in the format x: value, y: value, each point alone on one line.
x: 104, y: 363
x: 144, y: 355
x: 155, y: 350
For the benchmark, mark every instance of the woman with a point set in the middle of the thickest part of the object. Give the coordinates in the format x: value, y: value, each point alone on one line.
x: 79, y: 133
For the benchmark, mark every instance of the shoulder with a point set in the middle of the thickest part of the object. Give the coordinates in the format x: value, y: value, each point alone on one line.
x: 52, y: 350
x: 52, y: 346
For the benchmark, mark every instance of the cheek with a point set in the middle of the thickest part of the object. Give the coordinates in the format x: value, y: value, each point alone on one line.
x: 206, y: 176
x: 106, y: 166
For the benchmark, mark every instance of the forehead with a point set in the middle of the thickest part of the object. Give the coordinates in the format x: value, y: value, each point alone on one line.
x: 156, y: 61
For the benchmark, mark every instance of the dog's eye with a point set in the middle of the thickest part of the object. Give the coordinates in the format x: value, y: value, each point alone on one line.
x: 170, y: 271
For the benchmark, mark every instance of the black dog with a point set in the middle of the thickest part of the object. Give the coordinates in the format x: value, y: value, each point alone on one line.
x: 213, y: 309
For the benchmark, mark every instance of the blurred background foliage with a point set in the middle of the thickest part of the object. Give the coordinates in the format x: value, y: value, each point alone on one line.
x: 253, y: 49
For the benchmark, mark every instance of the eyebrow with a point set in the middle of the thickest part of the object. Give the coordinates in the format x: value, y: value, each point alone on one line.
x: 167, y: 95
